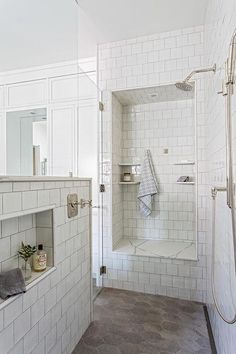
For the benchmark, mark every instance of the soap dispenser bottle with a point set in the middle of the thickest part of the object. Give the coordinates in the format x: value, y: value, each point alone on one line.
x: 40, y: 259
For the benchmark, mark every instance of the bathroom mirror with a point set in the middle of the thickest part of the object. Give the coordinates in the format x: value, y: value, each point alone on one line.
x: 26, y: 142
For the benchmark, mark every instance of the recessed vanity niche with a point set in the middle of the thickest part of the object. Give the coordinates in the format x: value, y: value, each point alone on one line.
x: 33, y: 227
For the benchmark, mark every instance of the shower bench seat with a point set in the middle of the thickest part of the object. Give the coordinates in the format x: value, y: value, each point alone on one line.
x: 185, y: 250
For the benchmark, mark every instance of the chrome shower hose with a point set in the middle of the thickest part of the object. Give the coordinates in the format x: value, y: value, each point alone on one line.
x: 220, y: 312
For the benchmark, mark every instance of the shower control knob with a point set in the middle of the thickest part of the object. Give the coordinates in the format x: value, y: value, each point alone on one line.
x: 223, y: 90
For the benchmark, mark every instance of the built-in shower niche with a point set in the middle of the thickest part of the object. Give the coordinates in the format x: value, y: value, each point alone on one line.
x: 163, y: 120
x: 33, y: 227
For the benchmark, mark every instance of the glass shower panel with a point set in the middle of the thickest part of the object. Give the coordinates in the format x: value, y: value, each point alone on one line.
x: 230, y: 262
x: 88, y: 162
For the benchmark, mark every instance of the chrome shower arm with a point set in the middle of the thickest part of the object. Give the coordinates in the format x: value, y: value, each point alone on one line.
x: 198, y: 71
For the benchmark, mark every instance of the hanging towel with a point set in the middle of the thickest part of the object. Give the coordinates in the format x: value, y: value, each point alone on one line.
x: 148, y: 186
x: 11, y: 283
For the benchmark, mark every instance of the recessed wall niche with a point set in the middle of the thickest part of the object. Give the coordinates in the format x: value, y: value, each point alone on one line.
x: 31, y: 227
x: 160, y: 119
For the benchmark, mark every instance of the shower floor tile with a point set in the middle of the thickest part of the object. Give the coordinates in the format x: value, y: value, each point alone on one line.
x: 127, y: 322
x: 157, y: 248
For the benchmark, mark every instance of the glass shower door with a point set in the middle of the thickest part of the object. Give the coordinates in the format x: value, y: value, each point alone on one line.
x: 89, y: 160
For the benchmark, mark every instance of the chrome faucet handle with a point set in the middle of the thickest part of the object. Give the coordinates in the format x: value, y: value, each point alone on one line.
x: 84, y: 202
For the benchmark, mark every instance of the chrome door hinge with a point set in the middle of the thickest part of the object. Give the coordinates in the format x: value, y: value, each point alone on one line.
x: 103, y: 270
x: 101, y: 106
x: 102, y: 188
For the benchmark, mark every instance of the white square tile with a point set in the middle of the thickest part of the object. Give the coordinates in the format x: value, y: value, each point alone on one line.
x: 5, y: 248
x: 31, y: 339
x: 21, y: 325
x: 6, y: 339
x: 10, y: 227
x: 12, y: 311
x: 29, y: 200
x: 11, y: 202
x: 37, y: 311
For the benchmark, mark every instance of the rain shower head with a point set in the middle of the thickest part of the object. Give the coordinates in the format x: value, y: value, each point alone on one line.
x: 185, y: 85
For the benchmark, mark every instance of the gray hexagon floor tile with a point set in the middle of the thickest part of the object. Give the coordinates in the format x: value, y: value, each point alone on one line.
x: 127, y: 322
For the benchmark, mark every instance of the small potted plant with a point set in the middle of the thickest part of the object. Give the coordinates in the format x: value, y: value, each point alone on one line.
x: 25, y: 252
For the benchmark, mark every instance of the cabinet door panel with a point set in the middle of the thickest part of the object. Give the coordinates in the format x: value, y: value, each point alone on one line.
x: 64, y: 88
x: 26, y: 94
x: 62, y: 151
x: 1, y: 98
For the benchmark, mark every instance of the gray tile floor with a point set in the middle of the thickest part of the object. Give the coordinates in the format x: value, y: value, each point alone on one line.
x: 127, y: 322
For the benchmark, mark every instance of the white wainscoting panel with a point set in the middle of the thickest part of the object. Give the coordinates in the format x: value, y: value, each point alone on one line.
x: 27, y: 94
x: 64, y: 88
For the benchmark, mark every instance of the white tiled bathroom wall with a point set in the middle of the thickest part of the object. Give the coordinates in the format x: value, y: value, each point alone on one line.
x: 141, y: 62
x: 220, y: 25
x: 53, y: 314
x: 159, y: 126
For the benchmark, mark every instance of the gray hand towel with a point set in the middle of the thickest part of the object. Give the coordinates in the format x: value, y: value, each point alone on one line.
x: 11, y: 283
x: 148, y: 186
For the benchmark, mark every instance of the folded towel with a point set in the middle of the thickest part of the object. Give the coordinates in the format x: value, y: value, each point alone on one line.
x: 148, y: 186
x: 11, y: 283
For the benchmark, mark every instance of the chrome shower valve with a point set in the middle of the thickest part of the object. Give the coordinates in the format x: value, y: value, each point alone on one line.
x: 73, y: 203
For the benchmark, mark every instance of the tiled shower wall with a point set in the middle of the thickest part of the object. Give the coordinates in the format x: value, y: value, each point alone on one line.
x: 220, y: 25
x: 157, y: 126
x: 53, y: 314
x: 151, y: 61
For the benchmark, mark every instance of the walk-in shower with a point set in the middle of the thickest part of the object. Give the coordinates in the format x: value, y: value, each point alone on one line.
x: 185, y: 85
x: 227, y: 91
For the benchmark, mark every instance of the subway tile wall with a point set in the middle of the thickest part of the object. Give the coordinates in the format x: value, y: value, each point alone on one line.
x: 141, y: 62
x: 157, y: 126
x: 220, y: 25
x: 52, y: 315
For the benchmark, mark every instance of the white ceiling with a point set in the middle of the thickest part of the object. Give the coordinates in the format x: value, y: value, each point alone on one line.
x: 38, y: 32
x: 121, y: 19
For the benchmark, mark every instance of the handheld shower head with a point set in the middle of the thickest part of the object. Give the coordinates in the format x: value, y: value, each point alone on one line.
x: 231, y: 60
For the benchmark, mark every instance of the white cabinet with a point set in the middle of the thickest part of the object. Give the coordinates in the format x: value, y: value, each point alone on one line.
x: 1, y: 97
x: 60, y: 95
x: 29, y: 93
x: 62, y: 140
x: 64, y: 88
